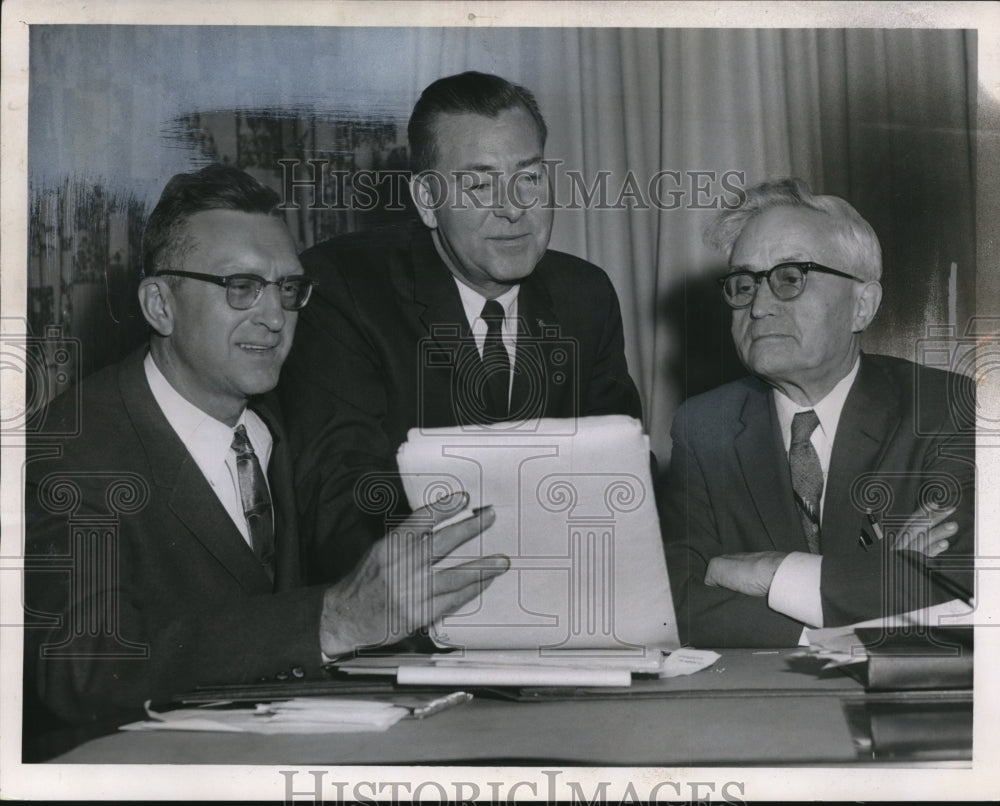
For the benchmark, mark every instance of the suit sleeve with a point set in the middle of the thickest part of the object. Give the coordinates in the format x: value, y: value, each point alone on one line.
x: 609, y: 388
x: 106, y: 631
x: 863, y: 585
x: 333, y: 388
x: 707, y: 616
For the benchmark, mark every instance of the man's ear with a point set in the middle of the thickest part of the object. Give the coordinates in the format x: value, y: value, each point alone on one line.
x: 866, y: 305
x: 157, y: 302
x: 427, y: 188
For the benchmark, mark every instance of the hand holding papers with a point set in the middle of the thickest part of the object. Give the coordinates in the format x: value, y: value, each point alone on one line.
x: 575, y: 514
x: 390, y: 594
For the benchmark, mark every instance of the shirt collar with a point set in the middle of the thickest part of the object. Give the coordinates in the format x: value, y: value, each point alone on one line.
x: 473, y: 301
x: 828, y: 410
x: 207, y: 440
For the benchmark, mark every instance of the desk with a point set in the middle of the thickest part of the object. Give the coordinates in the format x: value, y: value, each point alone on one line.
x: 750, y: 708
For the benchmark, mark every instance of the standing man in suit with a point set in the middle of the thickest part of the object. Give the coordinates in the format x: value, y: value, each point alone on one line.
x: 463, y: 319
x: 815, y: 492
x: 162, y: 542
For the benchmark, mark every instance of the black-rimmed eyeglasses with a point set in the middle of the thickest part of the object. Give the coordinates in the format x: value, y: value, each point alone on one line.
x: 243, y: 290
x: 787, y: 281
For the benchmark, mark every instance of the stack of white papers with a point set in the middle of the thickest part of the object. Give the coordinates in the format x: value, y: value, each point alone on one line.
x: 576, y: 514
x: 840, y: 646
x: 531, y: 668
x: 298, y: 715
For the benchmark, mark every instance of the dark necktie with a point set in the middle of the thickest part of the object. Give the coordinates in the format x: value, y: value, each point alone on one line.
x: 807, y: 476
x: 496, y: 363
x: 256, y: 500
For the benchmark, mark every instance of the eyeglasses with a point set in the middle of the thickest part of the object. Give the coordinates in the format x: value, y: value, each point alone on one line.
x: 243, y: 290
x: 787, y: 281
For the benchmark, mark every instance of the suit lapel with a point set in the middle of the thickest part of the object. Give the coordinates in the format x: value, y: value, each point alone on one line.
x: 534, y: 361
x: 434, y: 292
x: 867, y: 424
x: 450, y: 368
x: 287, y: 573
x: 764, y: 464
x: 182, y: 483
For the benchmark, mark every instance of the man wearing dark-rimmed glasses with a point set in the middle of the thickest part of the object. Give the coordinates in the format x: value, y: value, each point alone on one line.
x: 831, y: 486
x: 162, y: 544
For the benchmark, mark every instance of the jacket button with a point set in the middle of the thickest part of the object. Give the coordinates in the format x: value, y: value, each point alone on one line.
x: 281, y: 676
x: 298, y: 671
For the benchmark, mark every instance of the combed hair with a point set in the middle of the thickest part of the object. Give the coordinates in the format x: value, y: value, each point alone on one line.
x: 469, y: 92
x: 855, y: 235
x: 215, y: 187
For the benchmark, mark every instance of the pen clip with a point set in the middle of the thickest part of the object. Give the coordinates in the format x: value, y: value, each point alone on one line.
x: 876, y: 526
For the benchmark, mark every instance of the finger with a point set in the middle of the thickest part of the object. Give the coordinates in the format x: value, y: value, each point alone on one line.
x: 917, y: 539
x: 937, y: 548
x: 943, y: 531
x: 426, y: 518
x: 447, y: 603
x: 451, y: 537
x: 938, y: 515
x: 457, y: 577
x: 715, y: 573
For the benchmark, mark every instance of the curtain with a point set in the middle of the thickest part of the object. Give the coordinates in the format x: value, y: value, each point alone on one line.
x: 663, y: 126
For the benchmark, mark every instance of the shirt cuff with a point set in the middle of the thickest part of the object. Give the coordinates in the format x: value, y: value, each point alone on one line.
x: 795, y: 588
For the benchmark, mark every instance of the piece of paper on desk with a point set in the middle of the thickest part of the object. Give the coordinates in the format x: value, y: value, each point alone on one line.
x: 841, y: 646
x: 687, y: 661
x: 575, y: 512
x: 509, y: 675
x: 300, y: 715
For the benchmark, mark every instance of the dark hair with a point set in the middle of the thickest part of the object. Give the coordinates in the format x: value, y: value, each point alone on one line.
x: 470, y: 92
x: 215, y: 187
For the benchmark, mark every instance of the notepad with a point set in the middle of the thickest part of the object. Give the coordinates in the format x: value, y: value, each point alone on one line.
x: 576, y: 514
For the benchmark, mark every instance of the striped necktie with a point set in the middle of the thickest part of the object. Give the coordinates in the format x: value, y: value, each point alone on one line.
x: 807, y: 475
x: 256, y: 500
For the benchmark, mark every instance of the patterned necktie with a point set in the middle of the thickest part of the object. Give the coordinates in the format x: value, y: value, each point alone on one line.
x: 807, y: 476
x: 256, y: 500
x: 496, y: 363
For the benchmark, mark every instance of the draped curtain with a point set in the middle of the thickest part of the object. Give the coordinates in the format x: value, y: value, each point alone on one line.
x: 884, y: 118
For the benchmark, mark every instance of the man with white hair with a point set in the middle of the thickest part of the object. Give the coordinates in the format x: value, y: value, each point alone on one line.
x: 830, y: 486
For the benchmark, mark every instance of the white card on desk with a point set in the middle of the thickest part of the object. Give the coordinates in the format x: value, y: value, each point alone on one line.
x: 576, y: 514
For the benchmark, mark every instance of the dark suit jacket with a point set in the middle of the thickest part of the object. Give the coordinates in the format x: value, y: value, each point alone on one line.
x: 177, y: 598
x: 906, y: 437
x: 378, y: 351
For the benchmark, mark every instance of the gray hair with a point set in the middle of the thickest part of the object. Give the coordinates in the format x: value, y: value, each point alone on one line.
x: 854, y: 235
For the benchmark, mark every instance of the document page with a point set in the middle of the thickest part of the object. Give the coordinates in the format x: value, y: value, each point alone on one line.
x: 576, y: 514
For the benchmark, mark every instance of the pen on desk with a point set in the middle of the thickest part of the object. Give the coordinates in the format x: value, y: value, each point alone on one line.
x: 441, y: 704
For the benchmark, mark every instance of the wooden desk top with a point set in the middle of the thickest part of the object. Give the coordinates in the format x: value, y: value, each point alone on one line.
x: 749, y: 708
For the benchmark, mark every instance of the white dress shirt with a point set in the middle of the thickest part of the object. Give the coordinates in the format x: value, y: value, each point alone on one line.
x: 473, y: 302
x: 795, y: 589
x: 209, y: 442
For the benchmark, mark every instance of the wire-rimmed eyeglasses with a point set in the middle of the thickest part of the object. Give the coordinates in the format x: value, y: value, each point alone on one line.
x: 787, y: 281
x: 243, y: 290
